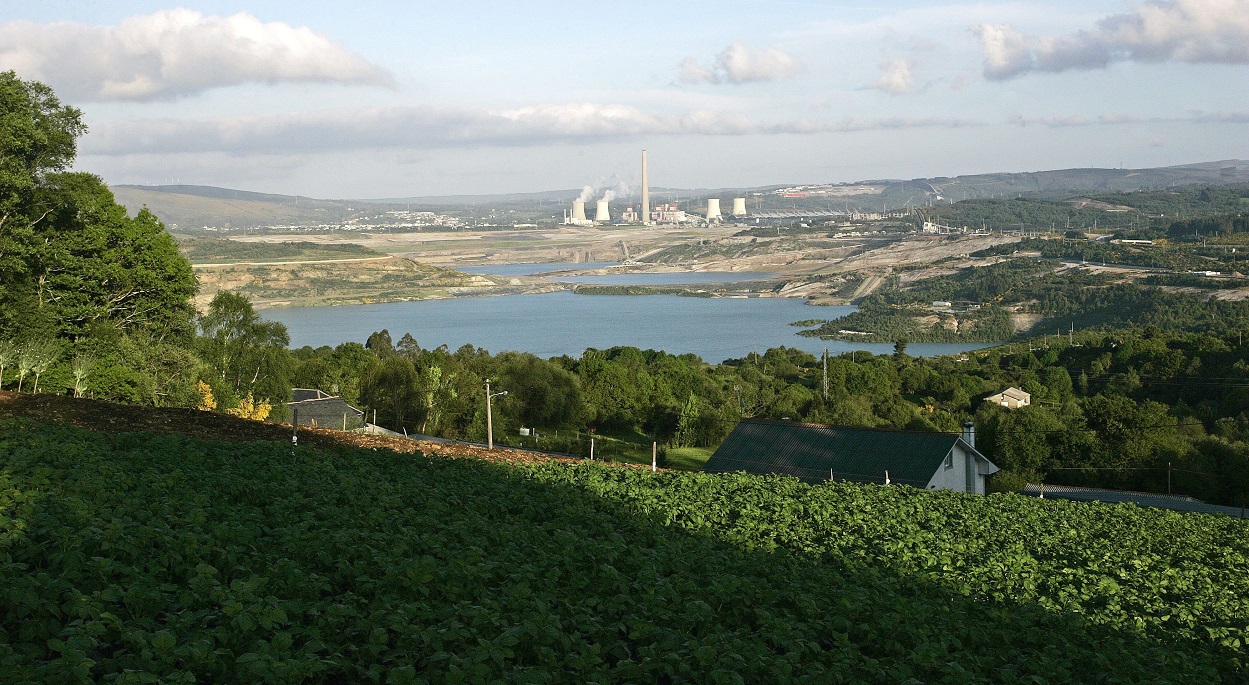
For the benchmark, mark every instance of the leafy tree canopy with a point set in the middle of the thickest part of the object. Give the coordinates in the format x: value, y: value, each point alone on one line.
x: 70, y: 257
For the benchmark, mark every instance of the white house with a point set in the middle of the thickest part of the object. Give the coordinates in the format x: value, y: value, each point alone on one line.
x: 1011, y: 398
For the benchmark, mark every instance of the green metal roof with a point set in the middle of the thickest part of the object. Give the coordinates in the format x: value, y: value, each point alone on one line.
x: 808, y: 451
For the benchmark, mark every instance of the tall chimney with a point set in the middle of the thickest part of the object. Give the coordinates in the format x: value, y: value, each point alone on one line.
x: 601, y: 213
x: 578, y: 211
x: 646, y: 192
x: 739, y: 206
x: 713, y: 210
x: 969, y: 434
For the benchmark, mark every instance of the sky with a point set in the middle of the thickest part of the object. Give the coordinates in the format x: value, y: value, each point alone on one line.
x: 403, y: 99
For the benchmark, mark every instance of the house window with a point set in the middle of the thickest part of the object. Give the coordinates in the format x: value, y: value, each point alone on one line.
x: 949, y: 461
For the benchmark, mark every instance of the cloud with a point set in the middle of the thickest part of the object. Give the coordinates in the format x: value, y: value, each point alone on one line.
x: 176, y: 53
x: 436, y: 127
x: 1192, y: 31
x: 740, y: 63
x: 1061, y: 121
x: 896, y: 77
x: 1193, y: 117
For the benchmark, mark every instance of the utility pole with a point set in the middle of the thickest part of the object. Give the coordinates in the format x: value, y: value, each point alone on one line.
x: 489, y: 421
x: 825, y: 374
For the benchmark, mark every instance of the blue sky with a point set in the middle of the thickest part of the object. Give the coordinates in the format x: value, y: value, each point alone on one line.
x: 378, y: 99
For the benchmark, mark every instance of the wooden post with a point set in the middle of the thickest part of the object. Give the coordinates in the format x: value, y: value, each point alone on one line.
x: 344, y: 422
x: 1168, y: 478
x: 654, y: 457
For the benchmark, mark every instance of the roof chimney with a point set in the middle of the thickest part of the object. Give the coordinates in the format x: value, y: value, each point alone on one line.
x: 969, y: 434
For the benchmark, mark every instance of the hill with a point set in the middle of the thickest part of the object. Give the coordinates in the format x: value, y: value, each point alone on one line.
x: 186, y: 207
x: 175, y: 558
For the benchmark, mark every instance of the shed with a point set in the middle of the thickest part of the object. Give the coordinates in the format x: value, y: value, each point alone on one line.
x: 817, y: 452
x: 1011, y: 398
x: 312, y: 407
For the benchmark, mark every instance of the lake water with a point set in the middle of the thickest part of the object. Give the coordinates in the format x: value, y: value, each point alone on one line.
x: 553, y: 324
x: 677, y: 278
x: 529, y: 269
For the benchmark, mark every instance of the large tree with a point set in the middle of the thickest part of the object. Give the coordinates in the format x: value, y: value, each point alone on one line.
x: 70, y: 257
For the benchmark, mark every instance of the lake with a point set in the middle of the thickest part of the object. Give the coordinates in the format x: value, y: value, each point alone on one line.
x: 558, y: 323
x: 530, y: 269
x: 669, y: 278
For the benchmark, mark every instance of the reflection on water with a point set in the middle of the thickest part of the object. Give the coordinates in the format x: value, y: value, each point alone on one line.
x: 553, y: 324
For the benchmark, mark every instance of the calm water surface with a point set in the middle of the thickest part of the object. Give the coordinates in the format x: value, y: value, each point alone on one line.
x: 529, y: 269
x: 553, y: 324
x: 678, y: 278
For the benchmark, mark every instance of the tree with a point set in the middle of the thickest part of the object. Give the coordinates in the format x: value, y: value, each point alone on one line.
x: 245, y: 355
x: 9, y: 354
x: 69, y: 254
x: 81, y: 368
x: 43, y: 355
x: 899, y: 350
x: 392, y: 387
x: 379, y: 342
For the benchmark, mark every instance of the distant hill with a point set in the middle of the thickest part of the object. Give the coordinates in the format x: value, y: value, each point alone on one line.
x: 185, y: 207
x: 196, y: 207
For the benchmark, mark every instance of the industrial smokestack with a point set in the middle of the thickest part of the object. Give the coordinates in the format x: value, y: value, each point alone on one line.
x: 578, y: 211
x: 739, y: 206
x: 713, y: 210
x: 646, y: 192
x: 601, y: 214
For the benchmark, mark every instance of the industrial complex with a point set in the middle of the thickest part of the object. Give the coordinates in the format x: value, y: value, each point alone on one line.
x: 667, y: 213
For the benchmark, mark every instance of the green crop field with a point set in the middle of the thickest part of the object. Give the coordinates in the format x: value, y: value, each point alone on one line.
x: 133, y: 558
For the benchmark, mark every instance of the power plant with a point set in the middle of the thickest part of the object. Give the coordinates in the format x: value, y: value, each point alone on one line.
x: 713, y: 210
x: 664, y: 214
x: 646, y: 191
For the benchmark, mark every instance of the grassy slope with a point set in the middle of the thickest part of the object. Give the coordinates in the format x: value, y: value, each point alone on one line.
x: 175, y: 558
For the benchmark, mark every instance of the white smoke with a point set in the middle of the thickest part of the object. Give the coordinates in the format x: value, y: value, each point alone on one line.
x: 587, y: 192
x: 621, y: 188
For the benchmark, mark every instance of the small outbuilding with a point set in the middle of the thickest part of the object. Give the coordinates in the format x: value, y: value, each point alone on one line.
x: 1011, y: 398
x: 817, y: 452
x: 313, y: 407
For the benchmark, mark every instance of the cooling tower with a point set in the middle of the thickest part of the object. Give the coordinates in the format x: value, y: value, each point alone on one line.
x: 646, y: 192
x: 578, y: 211
x: 601, y: 213
x: 739, y: 206
x: 713, y: 210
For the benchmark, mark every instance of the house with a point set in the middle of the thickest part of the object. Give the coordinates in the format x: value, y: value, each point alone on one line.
x: 815, y: 452
x: 1011, y: 398
x: 312, y: 407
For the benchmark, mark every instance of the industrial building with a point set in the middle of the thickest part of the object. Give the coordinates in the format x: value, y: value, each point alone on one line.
x: 667, y: 213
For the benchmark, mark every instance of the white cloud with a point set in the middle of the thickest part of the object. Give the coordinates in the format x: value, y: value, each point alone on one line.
x: 740, y: 63
x: 896, y: 77
x: 690, y: 71
x: 1193, y: 31
x: 430, y: 127
x: 175, y: 53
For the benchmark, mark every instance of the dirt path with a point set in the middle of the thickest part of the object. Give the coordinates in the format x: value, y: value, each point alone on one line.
x: 868, y: 286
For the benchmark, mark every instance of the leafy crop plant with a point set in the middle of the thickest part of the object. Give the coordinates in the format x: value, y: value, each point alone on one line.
x: 135, y: 558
